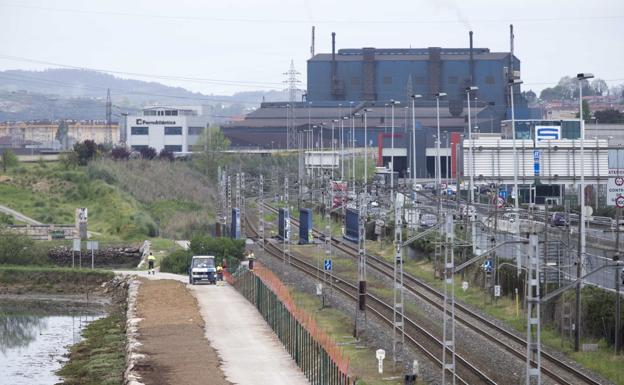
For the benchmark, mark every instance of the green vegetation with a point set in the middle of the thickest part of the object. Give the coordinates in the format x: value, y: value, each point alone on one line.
x: 99, y: 359
x: 20, y: 250
x: 338, y: 326
x: 8, y: 159
x: 232, y: 250
x: 21, y: 279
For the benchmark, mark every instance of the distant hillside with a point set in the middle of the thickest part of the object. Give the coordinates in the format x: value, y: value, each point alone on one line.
x: 81, y: 94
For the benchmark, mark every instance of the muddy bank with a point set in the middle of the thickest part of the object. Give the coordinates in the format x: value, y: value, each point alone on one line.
x: 100, y: 358
x: 29, y: 280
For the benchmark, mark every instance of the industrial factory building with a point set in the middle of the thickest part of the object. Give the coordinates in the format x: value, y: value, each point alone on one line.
x: 372, y: 74
x: 174, y: 129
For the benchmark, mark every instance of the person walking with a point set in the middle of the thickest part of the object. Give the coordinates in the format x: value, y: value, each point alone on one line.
x: 150, y: 264
x: 219, y: 273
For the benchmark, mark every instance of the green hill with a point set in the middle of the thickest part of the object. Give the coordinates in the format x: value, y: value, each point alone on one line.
x: 126, y: 200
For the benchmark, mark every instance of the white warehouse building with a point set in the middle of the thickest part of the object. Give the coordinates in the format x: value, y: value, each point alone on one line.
x: 173, y: 128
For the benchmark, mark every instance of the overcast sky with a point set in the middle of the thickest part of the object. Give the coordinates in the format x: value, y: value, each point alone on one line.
x: 247, y: 45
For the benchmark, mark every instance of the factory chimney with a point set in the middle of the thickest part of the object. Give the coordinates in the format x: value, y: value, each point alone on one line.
x: 312, y: 45
x: 472, y: 74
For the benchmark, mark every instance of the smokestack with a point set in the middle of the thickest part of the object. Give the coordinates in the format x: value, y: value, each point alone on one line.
x: 472, y: 75
x: 312, y: 46
x: 333, y: 67
x: 333, y: 47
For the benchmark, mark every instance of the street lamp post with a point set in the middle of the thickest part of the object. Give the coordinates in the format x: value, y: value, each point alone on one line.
x: 470, y: 153
x: 413, y: 165
x: 366, y: 110
x: 580, y: 267
x: 353, y: 151
x: 512, y: 83
x: 438, y: 160
x: 393, y: 103
x: 333, y: 147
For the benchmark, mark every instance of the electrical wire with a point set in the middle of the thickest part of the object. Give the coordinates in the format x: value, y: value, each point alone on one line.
x: 307, y: 21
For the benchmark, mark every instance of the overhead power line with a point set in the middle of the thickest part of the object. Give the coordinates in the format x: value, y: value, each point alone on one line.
x: 119, y: 92
x: 241, y: 83
x: 299, y: 21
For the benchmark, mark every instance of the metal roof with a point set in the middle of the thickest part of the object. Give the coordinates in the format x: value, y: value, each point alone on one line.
x: 410, y: 57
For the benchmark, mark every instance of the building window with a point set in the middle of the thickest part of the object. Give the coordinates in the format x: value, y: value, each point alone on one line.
x: 452, y: 79
x: 139, y: 131
x: 167, y: 113
x: 161, y: 113
x: 149, y: 113
x: 195, y: 130
x: 173, y: 148
x: 387, y: 80
x: 355, y: 81
x: 173, y: 130
x: 490, y: 79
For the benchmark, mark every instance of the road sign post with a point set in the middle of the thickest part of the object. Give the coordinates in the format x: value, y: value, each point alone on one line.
x: 75, y: 247
x: 380, y: 354
x: 92, y: 245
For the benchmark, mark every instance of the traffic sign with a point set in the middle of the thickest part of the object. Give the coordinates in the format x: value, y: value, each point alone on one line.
x: 498, y: 202
x: 328, y: 265
x: 536, y: 155
x: 615, y: 188
x: 619, y: 201
x: 497, y: 291
x: 465, y: 285
x: 487, y: 266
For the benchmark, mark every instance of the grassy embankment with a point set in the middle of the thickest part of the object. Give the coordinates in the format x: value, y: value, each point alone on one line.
x: 128, y: 200
x: 338, y: 326
x: 28, y: 279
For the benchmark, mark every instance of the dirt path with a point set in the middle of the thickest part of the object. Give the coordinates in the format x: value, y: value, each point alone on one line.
x: 173, y: 339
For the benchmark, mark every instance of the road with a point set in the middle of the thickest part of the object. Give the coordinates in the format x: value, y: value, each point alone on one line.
x: 19, y: 216
x: 250, y: 352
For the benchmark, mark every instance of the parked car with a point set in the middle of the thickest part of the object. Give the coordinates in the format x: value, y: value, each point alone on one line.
x: 558, y: 219
x: 428, y: 220
x: 418, y: 187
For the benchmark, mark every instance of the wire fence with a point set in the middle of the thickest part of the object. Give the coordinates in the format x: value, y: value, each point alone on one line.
x: 317, y: 354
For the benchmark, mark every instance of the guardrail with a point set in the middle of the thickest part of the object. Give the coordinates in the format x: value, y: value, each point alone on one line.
x: 318, y: 356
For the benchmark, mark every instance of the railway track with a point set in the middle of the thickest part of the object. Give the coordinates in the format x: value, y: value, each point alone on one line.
x: 424, y: 341
x: 559, y: 371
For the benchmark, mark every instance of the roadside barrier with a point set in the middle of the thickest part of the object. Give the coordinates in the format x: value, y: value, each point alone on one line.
x: 318, y: 356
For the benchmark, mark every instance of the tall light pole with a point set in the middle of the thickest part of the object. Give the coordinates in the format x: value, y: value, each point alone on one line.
x: 333, y: 147
x: 413, y: 165
x: 353, y: 150
x: 512, y: 83
x: 438, y: 161
x: 342, y: 119
x: 470, y: 154
x: 580, y: 265
x: 366, y: 110
x: 393, y: 103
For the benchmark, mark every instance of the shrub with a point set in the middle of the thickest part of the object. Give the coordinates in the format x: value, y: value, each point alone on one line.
x: 232, y: 250
x: 120, y: 153
x: 176, y: 262
x: 165, y: 155
x: 148, y: 153
x: 20, y: 250
x: 86, y: 151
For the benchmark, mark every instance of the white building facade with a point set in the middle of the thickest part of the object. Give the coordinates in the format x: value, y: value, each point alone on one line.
x: 175, y: 129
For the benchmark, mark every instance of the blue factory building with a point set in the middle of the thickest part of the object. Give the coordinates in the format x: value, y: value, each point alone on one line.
x: 372, y: 74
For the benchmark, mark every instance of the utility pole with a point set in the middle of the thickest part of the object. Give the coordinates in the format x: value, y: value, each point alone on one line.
x: 328, y: 237
x: 398, y: 325
x: 261, y: 212
x: 618, y: 298
x: 286, y: 246
x: 109, y: 117
x: 448, y: 327
x: 361, y: 309
x: 242, y: 199
x: 533, y: 345
x: 228, y: 209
